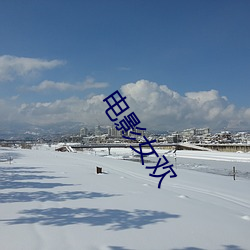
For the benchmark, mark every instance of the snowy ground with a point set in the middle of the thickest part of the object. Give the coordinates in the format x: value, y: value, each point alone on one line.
x: 51, y: 200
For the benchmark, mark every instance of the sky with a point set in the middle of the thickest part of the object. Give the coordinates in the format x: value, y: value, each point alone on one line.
x: 180, y: 63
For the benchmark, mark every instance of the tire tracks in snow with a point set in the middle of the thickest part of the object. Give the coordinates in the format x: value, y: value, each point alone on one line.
x: 226, y: 197
x: 229, y: 198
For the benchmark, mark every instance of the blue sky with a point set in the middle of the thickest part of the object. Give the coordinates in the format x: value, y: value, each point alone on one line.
x: 79, y: 50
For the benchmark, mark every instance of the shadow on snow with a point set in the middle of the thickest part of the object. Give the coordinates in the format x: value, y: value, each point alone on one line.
x: 232, y: 247
x: 23, y: 170
x: 116, y: 219
x: 16, y: 184
x: 44, y: 196
x: 226, y: 247
x: 15, y: 177
x: 117, y: 248
x: 6, y: 154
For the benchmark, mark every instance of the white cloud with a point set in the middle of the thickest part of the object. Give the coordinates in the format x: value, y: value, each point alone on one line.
x: 72, y: 109
x: 15, y: 97
x: 123, y: 69
x: 12, y: 66
x: 157, y: 106
x: 8, y: 111
x: 203, y: 96
x: 89, y: 83
x: 160, y: 107
x: 46, y: 84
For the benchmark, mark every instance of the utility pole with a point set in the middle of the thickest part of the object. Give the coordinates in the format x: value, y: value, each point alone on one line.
x: 234, y: 173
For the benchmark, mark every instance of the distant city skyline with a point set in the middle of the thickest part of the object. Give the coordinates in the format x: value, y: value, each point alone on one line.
x: 181, y: 64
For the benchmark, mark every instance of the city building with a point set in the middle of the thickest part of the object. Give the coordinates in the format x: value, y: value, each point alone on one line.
x: 83, y: 132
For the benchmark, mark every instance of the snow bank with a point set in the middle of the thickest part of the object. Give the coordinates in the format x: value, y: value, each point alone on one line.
x: 52, y: 200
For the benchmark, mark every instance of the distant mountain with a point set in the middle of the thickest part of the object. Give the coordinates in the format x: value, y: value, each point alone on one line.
x: 10, y: 130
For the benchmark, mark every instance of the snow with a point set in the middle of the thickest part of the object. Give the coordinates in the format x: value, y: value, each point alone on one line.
x: 55, y: 200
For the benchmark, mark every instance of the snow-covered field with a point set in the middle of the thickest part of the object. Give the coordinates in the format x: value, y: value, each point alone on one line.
x: 52, y: 200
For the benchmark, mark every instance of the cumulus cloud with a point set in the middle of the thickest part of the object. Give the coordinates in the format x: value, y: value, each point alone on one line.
x: 89, y: 83
x: 160, y: 107
x: 157, y: 106
x: 202, y: 97
x: 68, y: 110
x: 12, y: 66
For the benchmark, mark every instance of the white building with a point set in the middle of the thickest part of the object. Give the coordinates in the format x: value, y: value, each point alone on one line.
x: 98, y: 130
x: 113, y: 132
x: 83, y: 132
